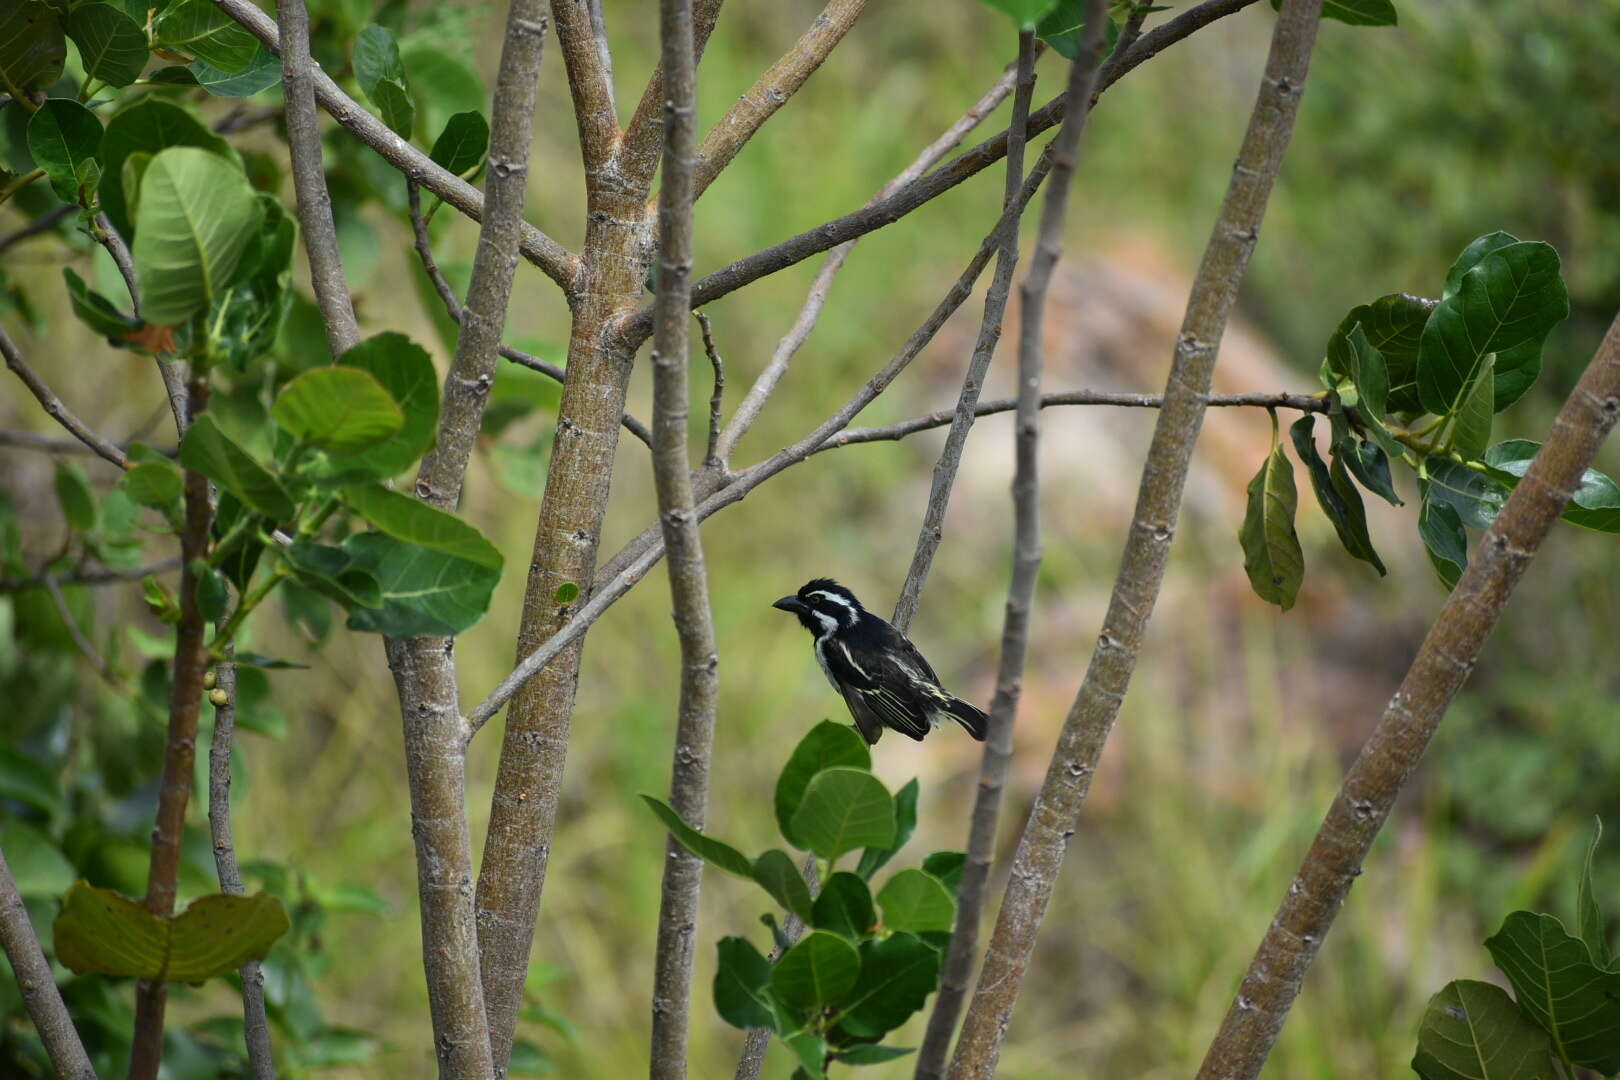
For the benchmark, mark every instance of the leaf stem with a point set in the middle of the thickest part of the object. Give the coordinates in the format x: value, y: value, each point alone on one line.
x: 227, y: 631
x: 21, y: 182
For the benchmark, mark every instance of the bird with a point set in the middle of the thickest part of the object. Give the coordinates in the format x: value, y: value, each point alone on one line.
x: 883, y: 678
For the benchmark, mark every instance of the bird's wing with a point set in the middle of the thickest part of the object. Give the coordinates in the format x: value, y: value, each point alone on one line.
x: 900, y: 646
x: 885, y: 695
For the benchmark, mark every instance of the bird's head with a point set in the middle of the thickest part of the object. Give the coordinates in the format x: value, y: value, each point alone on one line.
x: 823, y: 606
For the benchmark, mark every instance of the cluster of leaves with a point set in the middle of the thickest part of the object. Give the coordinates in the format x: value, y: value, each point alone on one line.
x: 867, y: 963
x: 1421, y: 381
x: 1565, y: 1008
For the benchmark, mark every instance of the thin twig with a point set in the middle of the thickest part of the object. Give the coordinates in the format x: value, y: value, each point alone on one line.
x: 38, y: 985
x: 555, y: 261
x: 90, y: 577
x: 85, y: 646
x: 170, y: 370
x: 958, y: 966
x: 314, y: 202
x: 711, y: 457
x: 1391, y: 755
x: 773, y: 89
x: 42, y: 224
x: 688, y: 578
x: 1052, y: 819
x: 452, y: 307
x: 816, y: 299
x: 256, y: 1024
x: 53, y: 405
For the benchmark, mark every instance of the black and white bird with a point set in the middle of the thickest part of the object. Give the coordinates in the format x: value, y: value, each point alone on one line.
x: 883, y: 678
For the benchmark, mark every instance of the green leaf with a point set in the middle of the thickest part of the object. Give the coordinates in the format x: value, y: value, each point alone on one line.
x: 819, y: 971
x: 1473, y: 1031
x: 111, y: 44
x: 197, y: 216
x: 811, y: 1050
x: 95, y: 310
x: 32, y: 48
x: 27, y: 781
x: 776, y: 873
x: 337, y: 408
x: 1476, y: 496
x: 1392, y: 325
x: 425, y: 590
x: 62, y: 136
x: 1506, y: 304
x: 1026, y: 13
x: 825, y: 745
x: 1272, y: 556
x: 1370, y: 374
x: 149, y: 126
x: 441, y: 84
x: 740, y: 979
x: 210, y: 451
x: 1596, y: 502
x: 1338, y: 497
x: 1587, y: 912
x: 844, y: 809
x: 101, y: 932
x: 916, y: 901
x: 332, y: 572
x: 200, y: 29
x: 406, y: 371
x: 1470, y: 258
x: 946, y: 867
x: 872, y: 1054
x: 1555, y: 981
x: 262, y: 72
x: 39, y: 868
x: 381, y: 75
x: 704, y: 847
x: 844, y: 907
x: 1473, y: 431
x: 1441, y: 530
x: 905, y: 823
x: 1355, y: 12
x: 1371, y: 467
x: 463, y: 142
x: 73, y: 492
x: 897, y: 975
x: 213, y: 595
x: 415, y: 522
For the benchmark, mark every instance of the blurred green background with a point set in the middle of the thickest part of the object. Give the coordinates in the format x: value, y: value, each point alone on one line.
x: 1468, y: 117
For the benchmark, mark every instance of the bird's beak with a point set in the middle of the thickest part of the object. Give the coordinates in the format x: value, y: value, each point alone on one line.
x: 793, y: 604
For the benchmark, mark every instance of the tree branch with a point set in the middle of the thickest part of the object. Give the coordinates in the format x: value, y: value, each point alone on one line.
x: 43, y: 224
x: 590, y: 81
x: 1391, y: 754
x: 452, y: 307
x: 256, y: 1024
x: 637, y: 157
x: 38, y: 985
x: 555, y: 261
x: 180, y: 748
x: 53, y: 405
x: 688, y: 578
x: 313, y: 201
x: 717, y: 396
x: 773, y: 89
x: 90, y: 577
x: 1052, y: 819
x: 815, y: 300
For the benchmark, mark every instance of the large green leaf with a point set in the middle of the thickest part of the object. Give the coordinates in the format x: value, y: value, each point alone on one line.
x: 201, y: 29
x: 844, y: 907
x: 1505, y: 304
x: 261, y: 73
x: 811, y: 1050
x: 915, y: 901
x: 1470, y: 258
x: 1441, y: 529
x: 1587, y: 913
x: 844, y: 809
x: 381, y: 75
x: 463, y: 142
x: 819, y: 971
x: 778, y: 875
x: 101, y: 932
x: 1337, y: 496
x: 1477, y: 496
x: 1272, y: 556
x: 415, y: 522
x: 211, y: 452
x: 32, y: 47
x: 897, y: 975
x: 38, y: 867
x: 1472, y: 433
x: 1026, y: 13
x: 1596, y: 502
x: 149, y: 126
x: 64, y: 137
x: 332, y: 572
x: 111, y: 44
x: 1063, y: 26
x: 823, y: 746
x: 1473, y: 1031
x: 905, y: 823
x: 198, y: 214
x: 337, y: 408
x: 441, y: 84
x: 95, y: 310
x: 740, y: 981
x: 946, y: 867
x: 1575, y: 1001
x: 1370, y: 465
x: 406, y: 371
x: 704, y: 847
x: 1393, y: 326
x: 425, y: 591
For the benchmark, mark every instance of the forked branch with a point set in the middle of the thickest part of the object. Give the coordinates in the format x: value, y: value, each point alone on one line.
x: 38, y: 984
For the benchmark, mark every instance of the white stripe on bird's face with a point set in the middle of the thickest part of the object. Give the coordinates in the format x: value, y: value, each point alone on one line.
x: 829, y: 623
x: 851, y: 614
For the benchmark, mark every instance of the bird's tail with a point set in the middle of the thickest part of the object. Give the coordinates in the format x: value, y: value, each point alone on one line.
x: 970, y: 717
